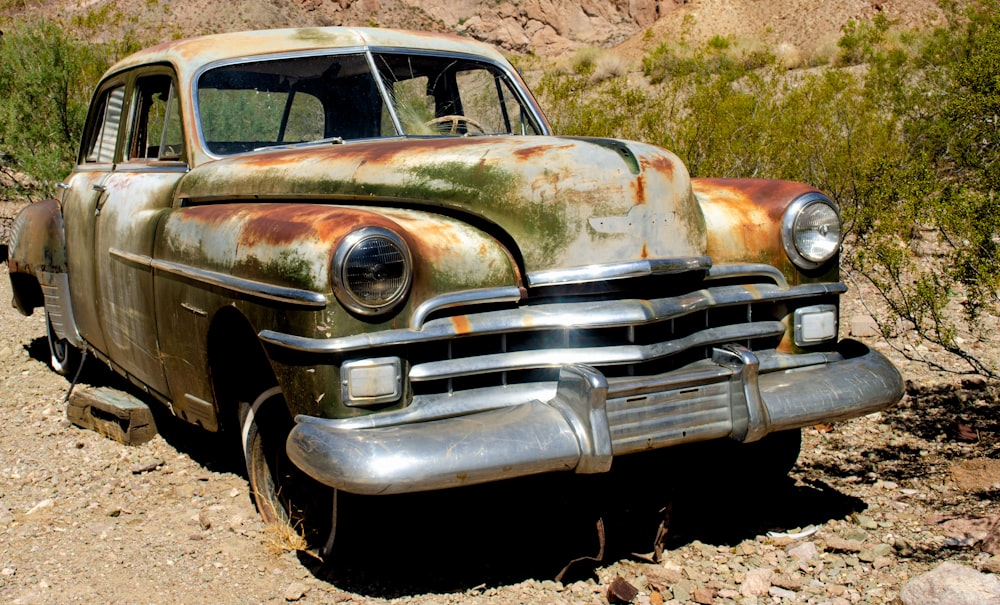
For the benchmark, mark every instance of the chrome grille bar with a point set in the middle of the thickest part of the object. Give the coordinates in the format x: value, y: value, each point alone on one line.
x: 577, y: 315
x: 596, y: 356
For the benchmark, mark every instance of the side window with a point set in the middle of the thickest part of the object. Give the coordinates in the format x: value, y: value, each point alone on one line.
x: 104, y: 127
x: 488, y: 100
x: 414, y: 106
x: 156, y: 133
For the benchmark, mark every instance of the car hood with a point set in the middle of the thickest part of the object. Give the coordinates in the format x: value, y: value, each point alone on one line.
x: 557, y: 202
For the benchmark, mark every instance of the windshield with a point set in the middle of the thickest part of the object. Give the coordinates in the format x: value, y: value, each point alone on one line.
x: 307, y: 99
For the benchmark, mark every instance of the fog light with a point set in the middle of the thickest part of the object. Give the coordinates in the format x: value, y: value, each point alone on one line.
x: 815, y: 324
x: 371, y: 381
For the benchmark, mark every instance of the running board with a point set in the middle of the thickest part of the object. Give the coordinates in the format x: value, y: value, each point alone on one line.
x: 112, y: 413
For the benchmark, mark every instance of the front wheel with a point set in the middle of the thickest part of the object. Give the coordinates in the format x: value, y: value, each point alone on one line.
x: 64, y: 357
x: 284, y: 495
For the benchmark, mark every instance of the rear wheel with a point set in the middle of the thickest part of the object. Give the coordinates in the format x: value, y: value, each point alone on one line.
x: 64, y: 357
x: 284, y: 495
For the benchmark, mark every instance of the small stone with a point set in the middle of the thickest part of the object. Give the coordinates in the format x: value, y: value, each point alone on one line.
x: 992, y: 564
x: 781, y: 593
x: 8, y: 572
x: 620, y: 591
x: 148, y: 466
x: 47, y: 503
x: 703, y: 596
x: 864, y: 326
x: 869, y: 555
x: 683, y: 590
x: 788, y: 581
x: 296, y: 591
x: 836, y: 590
x: 756, y: 583
x: 841, y: 545
x: 803, y: 551
x: 902, y: 547
x: 865, y: 521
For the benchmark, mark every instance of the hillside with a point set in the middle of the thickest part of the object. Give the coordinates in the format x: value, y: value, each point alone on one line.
x: 543, y: 27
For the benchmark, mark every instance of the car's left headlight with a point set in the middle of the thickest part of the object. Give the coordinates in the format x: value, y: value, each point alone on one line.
x: 811, y: 230
x: 372, y: 271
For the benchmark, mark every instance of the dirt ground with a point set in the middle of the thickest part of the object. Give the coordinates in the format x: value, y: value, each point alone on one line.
x: 84, y: 519
x: 872, y: 503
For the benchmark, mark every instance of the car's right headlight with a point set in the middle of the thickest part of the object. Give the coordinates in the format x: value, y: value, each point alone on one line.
x: 372, y: 271
x: 811, y: 230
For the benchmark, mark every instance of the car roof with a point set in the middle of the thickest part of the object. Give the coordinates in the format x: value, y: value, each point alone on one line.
x: 189, y: 55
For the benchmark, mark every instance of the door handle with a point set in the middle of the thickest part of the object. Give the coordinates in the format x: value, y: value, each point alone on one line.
x: 101, y: 199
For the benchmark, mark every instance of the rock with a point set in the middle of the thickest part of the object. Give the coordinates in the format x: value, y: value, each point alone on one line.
x: 803, y: 551
x: 788, y: 581
x: 903, y: 548
x: 756, y: 583
x: 683, y: 590
x: 865, y: 521
x: 703, y: 596
x: 781, y: 593
x: 621, y: 591
x: 296, y: 591
x: 992, y: 564
x: 841, y: 545
x: 869, y: 555
x: 952, y: 584
x: 864, y: 326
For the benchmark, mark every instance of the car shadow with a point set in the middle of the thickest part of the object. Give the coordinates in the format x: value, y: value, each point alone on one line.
x: 217, y: 455
x: 540, y: 527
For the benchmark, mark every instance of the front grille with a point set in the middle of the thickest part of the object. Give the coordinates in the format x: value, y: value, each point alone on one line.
x: 535, y: 355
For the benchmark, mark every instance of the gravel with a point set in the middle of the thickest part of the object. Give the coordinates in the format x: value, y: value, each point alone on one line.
x: 872, y: 503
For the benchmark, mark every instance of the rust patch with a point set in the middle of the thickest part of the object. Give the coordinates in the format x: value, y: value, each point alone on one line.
x: 660, y: 163
x: 773, y: 196
x: 537, y: 151
x: 461, y: 323
x: 638, y: 187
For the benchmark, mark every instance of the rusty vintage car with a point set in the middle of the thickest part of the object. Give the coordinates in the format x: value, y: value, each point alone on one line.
x: 365, y: 252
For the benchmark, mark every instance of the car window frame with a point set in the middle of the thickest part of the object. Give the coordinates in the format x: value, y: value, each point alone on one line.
x: 516, y: 86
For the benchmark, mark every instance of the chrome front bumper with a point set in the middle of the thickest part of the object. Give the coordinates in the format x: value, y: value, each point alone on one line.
x: 590, y: 419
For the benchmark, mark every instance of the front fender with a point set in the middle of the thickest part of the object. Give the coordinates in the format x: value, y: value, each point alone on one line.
x: 37, y: 246
x: 744, y: 224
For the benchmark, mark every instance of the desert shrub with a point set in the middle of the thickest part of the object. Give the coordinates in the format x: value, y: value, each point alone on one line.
x: 908, y: 145
x: 947, y: 97
x: 46, y: 78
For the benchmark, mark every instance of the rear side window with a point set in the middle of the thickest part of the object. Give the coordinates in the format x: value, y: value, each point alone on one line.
x: 104, y: 125
x: 157, y: 131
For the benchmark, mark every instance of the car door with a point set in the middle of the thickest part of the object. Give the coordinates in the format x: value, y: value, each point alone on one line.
x: 82, y: 193
x: 136, y: 195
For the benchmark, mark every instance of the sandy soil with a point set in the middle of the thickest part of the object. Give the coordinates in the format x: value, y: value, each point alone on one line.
x: 85, y: 519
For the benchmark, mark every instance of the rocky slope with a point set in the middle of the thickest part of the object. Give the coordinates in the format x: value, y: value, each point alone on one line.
x: 543, y: 27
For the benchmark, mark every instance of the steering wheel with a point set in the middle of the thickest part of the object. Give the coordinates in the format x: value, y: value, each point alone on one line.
x: 455, y: 120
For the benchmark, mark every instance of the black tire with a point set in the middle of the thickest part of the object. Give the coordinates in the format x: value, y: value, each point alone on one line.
x: 763, y: 462
x: 282, y: 492
x: 773, y: 456
x: 64, y: 358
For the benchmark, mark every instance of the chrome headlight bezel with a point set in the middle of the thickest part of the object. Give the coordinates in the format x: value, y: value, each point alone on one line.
x: 796, y: 228
x: 344, y: 271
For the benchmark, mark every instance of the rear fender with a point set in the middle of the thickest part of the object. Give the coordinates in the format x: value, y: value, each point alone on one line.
x: 37, y: 253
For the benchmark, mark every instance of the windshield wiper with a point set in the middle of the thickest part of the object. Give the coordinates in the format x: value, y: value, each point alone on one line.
x: 325, y: 141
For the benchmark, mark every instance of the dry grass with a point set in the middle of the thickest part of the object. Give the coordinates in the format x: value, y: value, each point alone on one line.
x: 280, y: 538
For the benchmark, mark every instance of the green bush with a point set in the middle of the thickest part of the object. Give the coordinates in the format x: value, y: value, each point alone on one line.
x: 46, y: 79
x: 909, y: 147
